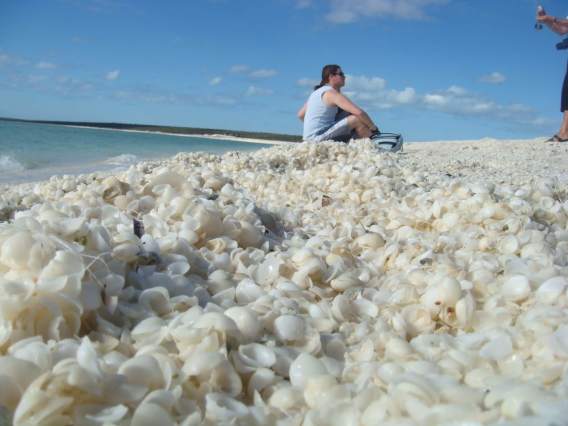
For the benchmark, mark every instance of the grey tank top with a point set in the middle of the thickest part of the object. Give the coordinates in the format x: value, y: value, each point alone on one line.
x: 319, y: 116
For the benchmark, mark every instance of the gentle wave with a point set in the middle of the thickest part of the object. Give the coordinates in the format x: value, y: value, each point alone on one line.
x: 10, y: 165
x: 122, y: 160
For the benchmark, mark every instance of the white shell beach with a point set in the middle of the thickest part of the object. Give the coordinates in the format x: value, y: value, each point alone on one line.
x: 304, y: 284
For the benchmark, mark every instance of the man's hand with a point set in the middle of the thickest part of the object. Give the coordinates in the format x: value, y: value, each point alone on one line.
x: 545, y: 19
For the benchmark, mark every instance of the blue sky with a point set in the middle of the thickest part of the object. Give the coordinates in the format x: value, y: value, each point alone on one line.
x: 431, y: 69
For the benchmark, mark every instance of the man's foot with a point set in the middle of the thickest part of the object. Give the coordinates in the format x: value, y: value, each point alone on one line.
x: 556, y: 138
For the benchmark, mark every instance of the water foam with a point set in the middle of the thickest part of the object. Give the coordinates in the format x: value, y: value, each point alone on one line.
x: 10, y: 165
x: 122, y: 160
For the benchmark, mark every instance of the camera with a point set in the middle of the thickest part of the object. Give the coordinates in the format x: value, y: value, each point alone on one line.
x: 539, y: 11
x: 563, y: 44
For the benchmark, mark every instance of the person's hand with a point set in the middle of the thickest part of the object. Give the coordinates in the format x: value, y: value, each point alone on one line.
x: 545, y: 19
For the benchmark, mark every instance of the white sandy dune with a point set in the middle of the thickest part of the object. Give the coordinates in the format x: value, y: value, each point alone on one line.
x: 314, y: 284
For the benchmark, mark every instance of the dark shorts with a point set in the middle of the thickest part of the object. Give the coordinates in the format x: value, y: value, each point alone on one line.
x: 564, y: 99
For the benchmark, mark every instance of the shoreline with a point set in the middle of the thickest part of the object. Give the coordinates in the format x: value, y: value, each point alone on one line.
x: 484, y: 159
x: 187, y: 135
x: 219, y: 136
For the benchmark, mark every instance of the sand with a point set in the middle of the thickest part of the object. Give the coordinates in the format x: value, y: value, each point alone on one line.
x: 490, y: 160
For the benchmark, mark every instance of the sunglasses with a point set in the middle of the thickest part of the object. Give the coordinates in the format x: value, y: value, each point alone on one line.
x: 339, y: 73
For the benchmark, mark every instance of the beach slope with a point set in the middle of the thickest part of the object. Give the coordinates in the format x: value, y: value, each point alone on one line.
x: 326, y: 283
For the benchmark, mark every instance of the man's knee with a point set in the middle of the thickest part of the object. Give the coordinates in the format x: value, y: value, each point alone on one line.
x: 354, y: 121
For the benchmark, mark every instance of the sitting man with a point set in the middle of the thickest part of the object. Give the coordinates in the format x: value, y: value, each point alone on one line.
x: 329, y: 115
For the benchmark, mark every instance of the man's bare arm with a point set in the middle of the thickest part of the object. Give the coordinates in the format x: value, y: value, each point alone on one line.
x: 559, y: 26
x: 345, y: 104
x: 302, y: 112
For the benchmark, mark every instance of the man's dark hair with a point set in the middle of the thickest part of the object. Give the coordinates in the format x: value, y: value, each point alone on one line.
x: 326, y: 72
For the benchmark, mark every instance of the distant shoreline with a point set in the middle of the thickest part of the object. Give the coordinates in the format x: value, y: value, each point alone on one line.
x: 187, y: 135
x: 219, y: 134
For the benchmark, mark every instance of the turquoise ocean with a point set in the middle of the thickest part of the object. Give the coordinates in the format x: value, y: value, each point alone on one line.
x: 31, y: 152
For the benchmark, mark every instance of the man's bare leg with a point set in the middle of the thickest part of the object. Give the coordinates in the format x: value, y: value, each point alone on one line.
x: 563, y: 133
x: 360, y: 128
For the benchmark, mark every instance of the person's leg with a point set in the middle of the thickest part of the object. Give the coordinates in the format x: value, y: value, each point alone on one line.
x: 563, y: 133
x: 339, y: 132
x: 360, y: 128
x: 344, y: 130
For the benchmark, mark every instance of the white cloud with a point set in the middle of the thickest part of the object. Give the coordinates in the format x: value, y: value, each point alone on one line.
x: 348, y: 11
x: 69, y: 86
x: 468, y: 104
x: 493, y: 78
x: 307, y: 82
x: 33, y: 79
x: 374, y: 93
x: 258, y: 91
x: 263, y: 73
x: 405, y: 96
x: 302, y: 4
x: 253, y: 73
x: 364, y: 83
x: 215, y: 81
x: 4, y: 59
x: 112, y: 75
x: 239, y: 69
x: 156, y: 95
x: 436, y: 100
x: 457, y: 90
x: 220, y: 100
x: 102, y: 6
x: 42, y: 65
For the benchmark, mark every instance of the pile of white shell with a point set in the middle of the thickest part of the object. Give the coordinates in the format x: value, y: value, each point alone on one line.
x: 309, y: 284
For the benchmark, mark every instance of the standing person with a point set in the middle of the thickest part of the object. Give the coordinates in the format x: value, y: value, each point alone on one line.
x: 559, y: 26
x: 329, y: 115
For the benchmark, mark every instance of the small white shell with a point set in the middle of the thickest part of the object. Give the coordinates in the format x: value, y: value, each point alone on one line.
x: 254, y: 356
x: 305, y: 367
x: 345, y: 280
x: 218, y: 321
x: 289, y: 328
x: 127, y: 252
x: 497, y: 348
x: 247, y: 321
x: 221, y: 409
x: 465, y: 308
x: 517, y: 288
x: 247, y: 291
x: 15, y: 250
x: 261, y: 379
x: 286, y: 398
x: 508, y: 245
x: 450, y: 291
x: 551, y: 289
x: 143, y: 370
x: 16, y: 376
x: 149, y: 414
x: 156, y: 299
